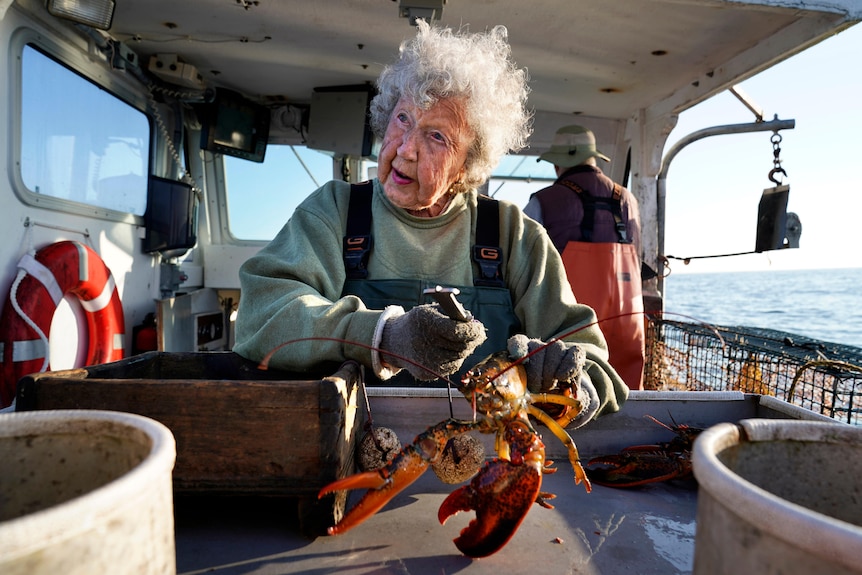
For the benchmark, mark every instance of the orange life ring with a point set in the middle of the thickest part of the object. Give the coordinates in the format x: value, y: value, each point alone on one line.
x: 43, y: 280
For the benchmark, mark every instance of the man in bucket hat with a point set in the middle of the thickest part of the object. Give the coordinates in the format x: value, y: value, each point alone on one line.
x: 595, y: 224
x: 573, y: 145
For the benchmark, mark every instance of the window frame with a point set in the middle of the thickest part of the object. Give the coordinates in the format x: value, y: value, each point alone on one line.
x: 97, y: 73
x: 228, y: 235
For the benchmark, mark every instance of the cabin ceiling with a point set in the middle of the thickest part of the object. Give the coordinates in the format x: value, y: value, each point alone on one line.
x: 601, y: 59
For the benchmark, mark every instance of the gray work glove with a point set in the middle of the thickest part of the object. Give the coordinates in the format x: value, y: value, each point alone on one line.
x: 555, y: 363
x: 429, y: 338
x: 553, y: 368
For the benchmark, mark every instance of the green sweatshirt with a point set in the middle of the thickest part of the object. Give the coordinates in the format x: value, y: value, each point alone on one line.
x: 292, y: 288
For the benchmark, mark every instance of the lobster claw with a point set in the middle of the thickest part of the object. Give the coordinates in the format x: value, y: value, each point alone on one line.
x: 637, y: 466
x: 387, y: 482
x: 501, y: 494
x: 382, y: 484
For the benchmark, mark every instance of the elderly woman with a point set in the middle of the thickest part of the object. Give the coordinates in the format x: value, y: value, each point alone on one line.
x: 352, y: 259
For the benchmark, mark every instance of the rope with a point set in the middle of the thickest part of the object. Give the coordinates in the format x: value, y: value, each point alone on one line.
x: 13, y: 297
x: 186, y: 175
x: 688, y: 259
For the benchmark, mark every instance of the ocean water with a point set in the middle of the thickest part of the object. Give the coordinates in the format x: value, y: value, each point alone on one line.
x: 821, y: 304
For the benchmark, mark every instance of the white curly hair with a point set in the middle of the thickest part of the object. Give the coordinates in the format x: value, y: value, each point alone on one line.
x: 439, y: 64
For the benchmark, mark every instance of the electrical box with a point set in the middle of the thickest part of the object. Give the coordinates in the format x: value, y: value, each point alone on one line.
x: 338, y: 120
x: 191, y: 322
x: 169, y: 68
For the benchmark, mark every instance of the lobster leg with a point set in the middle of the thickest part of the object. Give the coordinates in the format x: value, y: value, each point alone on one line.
x: 562, y: 435
x: 571, y: 407
x: 385, y: 483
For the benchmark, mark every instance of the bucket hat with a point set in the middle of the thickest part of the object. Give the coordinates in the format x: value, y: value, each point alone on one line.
x: 572, y: 146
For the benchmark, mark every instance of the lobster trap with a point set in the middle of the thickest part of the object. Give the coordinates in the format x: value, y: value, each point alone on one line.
x: 821, y: 376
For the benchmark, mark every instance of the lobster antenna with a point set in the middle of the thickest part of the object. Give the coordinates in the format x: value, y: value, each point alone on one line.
x: 264, y: 363
x: 365, y: 396
x: 370, y: 425
x: 449, y: 395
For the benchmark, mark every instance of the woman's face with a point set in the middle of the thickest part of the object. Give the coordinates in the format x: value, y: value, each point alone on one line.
x: 423, y: 154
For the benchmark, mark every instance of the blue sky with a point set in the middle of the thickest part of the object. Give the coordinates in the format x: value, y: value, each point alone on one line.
x: 714, y: 185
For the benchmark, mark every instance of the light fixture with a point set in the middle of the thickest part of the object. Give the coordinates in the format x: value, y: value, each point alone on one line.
x: 96, y: 13
x: 425, y: 9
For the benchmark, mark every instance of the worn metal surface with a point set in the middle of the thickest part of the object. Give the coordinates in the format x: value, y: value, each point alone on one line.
x: 646, y: 530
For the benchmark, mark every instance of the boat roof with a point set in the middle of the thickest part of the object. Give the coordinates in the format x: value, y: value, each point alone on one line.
x: 607, y: 60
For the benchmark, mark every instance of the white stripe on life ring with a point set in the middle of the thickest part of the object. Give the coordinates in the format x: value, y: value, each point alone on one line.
x: 28, y: 350
x: 101, y: 301
x: 83, y: 263
x: 38, y: 270
x: 32, y: 266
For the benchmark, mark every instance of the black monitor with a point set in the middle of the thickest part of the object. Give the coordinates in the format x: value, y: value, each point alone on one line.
x: 171, y: 217
x: 235, y: 126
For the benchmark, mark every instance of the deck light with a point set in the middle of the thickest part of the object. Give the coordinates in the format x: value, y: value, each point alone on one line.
x: 96, y: 13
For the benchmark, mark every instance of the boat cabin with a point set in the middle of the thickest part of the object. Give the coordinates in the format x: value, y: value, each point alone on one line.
x: 173, y: 139
x: 150, y: 147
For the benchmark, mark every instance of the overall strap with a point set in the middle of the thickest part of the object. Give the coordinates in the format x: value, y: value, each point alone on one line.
x: 617, y: 211
x: 357, y: 240
x: 486, y: 252
x: 591, y: 202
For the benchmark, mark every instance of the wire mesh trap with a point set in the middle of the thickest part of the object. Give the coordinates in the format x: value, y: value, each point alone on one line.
x: 821, y: 376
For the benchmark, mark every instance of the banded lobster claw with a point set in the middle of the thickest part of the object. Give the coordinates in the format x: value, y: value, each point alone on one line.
x: 385, y: 483
x: 501, y: 494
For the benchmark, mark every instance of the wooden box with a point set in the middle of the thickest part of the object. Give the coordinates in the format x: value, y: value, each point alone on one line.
x: 239, y: 430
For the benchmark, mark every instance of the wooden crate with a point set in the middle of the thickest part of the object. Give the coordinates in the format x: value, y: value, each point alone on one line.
x: 239, y: 430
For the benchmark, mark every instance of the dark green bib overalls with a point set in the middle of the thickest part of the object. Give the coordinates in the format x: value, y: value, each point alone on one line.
x: 488, y: 299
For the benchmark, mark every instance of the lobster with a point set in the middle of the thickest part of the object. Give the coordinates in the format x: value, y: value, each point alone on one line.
x: 644, y: 464
x: 504, y: 490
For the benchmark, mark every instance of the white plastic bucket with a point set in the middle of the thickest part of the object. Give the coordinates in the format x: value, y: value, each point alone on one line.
x: 85, y: 492
x: 779, y: 496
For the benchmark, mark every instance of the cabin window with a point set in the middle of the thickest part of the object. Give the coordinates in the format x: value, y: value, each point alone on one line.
x: 79, y: 142
x: 261, y: 197
x: 517, y: 177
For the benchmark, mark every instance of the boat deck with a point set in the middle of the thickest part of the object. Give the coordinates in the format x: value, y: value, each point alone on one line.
x: 647, y: 531
x: 609, y: 531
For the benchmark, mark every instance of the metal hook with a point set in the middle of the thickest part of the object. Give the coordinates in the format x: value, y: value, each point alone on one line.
x: 776, y: 161
x: 772, y: 175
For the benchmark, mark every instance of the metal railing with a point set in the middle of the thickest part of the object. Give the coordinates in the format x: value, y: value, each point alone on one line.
x: 821, y: 376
